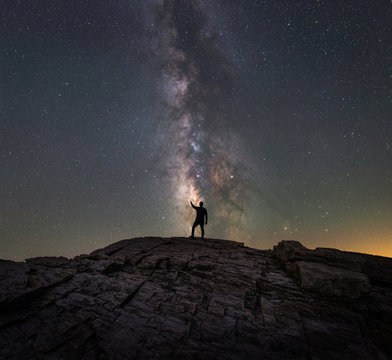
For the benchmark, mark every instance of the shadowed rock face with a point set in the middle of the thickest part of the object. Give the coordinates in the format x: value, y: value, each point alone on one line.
x: 177, y: 298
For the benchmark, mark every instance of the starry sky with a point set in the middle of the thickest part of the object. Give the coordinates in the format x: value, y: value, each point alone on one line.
x: 115, y: 114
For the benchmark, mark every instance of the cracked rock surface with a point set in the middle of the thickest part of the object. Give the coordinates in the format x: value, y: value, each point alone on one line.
x: 177, y: 298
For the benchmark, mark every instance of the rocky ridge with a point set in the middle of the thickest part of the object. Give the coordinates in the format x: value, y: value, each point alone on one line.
x: 177, y: 298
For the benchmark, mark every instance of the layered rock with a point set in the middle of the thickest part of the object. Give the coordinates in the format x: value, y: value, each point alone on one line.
x: 177, y: 298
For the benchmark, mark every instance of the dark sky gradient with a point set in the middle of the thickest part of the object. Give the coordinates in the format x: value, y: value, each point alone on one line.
x: 113, y: 115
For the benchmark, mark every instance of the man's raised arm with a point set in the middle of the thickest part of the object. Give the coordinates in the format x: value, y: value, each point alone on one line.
x: 193, y: 205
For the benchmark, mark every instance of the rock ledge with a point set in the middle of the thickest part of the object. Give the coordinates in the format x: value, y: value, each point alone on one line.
x: 177, y: 298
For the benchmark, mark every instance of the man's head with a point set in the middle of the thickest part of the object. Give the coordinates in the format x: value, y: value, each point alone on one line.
x: 201, y: 204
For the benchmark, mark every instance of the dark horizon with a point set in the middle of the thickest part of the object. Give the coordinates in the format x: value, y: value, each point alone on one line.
x: 185, y: 238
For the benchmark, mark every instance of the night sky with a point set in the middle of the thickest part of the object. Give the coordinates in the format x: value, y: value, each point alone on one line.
x: 115, y: 114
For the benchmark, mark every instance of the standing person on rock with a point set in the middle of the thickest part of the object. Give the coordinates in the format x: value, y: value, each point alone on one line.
x: 200, y: 213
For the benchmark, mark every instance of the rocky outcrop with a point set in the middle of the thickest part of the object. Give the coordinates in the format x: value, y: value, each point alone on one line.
x: 177, y: 298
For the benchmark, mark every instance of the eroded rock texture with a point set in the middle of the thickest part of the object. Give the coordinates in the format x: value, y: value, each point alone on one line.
x: 177, y: 298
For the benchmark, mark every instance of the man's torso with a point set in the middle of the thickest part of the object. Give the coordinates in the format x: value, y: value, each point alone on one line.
x: 200, y: 214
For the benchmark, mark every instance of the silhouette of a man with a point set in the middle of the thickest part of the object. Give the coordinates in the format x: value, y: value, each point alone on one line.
x: 200, y: 213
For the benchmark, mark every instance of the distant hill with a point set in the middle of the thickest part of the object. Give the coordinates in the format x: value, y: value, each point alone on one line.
x: 178, y: 298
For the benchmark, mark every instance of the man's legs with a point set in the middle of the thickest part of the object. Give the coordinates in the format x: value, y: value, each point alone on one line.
x: 201, y: 227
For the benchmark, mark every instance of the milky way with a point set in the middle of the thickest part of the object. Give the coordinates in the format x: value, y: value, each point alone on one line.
x: 203, y: 153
